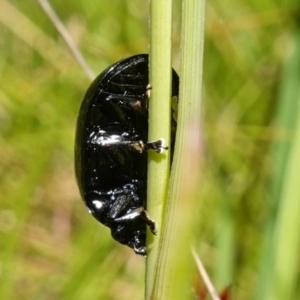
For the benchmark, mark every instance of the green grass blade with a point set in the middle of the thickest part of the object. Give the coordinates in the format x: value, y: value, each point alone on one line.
x: 159, y: 124
x: 281, y: 255
x: 173, y: 276
x: 287, y: 230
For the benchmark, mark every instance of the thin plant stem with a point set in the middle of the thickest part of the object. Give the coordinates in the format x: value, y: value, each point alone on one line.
x: 67, y: 38
x: 159, y: 125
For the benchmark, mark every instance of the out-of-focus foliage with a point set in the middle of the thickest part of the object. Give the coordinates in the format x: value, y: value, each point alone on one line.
x: 50, y: 248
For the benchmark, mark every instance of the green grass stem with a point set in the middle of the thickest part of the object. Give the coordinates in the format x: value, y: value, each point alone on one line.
x: 282, y: 259
x: 159, y: 123
x: 172, y: 279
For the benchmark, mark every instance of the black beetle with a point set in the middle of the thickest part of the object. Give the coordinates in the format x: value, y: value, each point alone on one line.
x: 110, y: 156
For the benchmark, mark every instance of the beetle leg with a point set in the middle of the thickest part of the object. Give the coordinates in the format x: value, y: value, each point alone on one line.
x: 158, y: 146
x: 117, y: 101
x: 148, y: 90
x: 139, y: 212
x: 121, y: 197
x: 140, y: 147
x: 139, y: 250
x: 103, y: 139
x: 149, y: 222
x: 119, y: 205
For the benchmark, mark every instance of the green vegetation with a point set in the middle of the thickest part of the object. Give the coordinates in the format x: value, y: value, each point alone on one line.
x: 248, y: 211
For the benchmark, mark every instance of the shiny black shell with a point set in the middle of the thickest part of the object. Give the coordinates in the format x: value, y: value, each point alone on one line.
x: 110, y: 150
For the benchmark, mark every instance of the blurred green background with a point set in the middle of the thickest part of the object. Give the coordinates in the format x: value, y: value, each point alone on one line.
x: 50, y: 248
